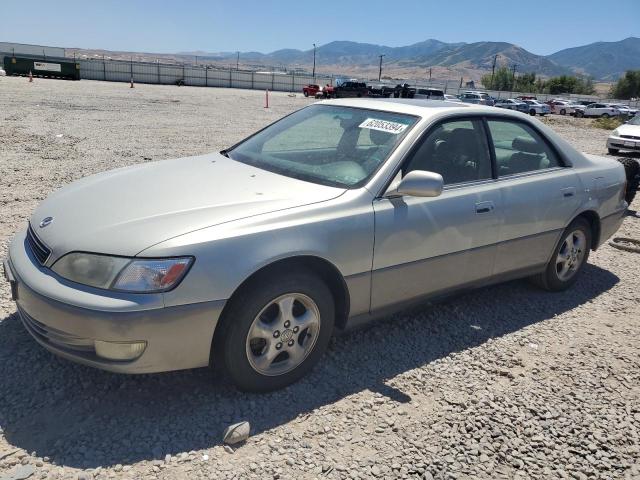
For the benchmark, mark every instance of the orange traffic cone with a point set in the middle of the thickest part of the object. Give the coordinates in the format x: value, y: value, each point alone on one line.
x: 30, y: 77
x: 131, y: 83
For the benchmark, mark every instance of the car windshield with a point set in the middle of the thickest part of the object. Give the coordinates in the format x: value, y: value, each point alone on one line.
x: 326, y: 144
x: 634, y: 121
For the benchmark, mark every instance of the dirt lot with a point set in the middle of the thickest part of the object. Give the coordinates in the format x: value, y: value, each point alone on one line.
x: 503, y: 382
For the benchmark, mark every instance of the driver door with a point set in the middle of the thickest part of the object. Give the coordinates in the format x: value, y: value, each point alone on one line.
x: 426, y: 246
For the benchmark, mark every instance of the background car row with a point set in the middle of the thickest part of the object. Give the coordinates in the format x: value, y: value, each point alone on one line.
x: 525, y: 104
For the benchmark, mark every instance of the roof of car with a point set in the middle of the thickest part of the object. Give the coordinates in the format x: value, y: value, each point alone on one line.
x: 423, y: 108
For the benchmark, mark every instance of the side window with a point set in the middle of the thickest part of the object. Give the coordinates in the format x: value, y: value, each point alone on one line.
x: 519, y: 148
x: 457, y: 150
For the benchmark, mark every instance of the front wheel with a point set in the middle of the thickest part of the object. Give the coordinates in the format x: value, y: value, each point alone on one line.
x: 305, y: 93
x: 568, y: 259
x: 563, y: 112
x: 579, y: 114
x: 613, y: 151
x: 532, y: 112
x: 605, y: 115
x: 275, y: 330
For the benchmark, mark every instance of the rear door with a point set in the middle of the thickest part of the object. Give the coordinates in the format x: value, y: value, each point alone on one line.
x: 539, y: 194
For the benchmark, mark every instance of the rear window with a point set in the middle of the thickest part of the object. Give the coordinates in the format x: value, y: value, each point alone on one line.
x: 519, y: 148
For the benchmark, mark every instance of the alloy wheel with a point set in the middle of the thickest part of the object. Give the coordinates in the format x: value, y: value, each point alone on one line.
x: 283, y: 334
x: 571, y: 255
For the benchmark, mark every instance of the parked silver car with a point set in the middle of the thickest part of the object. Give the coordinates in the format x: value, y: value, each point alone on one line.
x: 477, y: 98
x: 339, y: 213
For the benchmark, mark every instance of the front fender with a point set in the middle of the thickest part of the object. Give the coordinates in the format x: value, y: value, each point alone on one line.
x: 340, y: 232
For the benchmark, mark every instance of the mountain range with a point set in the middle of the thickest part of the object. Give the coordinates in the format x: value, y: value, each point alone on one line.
x: 601, y: 60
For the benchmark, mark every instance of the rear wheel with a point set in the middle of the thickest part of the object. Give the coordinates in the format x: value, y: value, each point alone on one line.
x: 275, y: 330
x: 579, y: 114
x: 563, y: 112
x: 568, y: 258
x: 605, y: 115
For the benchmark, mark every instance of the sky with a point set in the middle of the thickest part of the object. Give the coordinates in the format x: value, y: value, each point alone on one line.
x: 160, y: 26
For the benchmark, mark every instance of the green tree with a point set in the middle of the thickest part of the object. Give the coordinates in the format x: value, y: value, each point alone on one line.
x: 627, y: 86
x: 502, y: 80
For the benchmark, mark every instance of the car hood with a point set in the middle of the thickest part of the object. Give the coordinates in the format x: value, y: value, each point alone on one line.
x: 124, y: 211
x: 629, y: 130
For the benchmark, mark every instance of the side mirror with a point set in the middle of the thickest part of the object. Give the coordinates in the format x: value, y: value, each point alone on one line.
x: 420, y: 183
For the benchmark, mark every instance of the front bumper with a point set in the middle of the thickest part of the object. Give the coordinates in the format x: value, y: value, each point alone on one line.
x: 177, y: 337
x: 618, y: 143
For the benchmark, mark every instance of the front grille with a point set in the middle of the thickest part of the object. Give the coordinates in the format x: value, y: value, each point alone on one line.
x: 38, y: 249
x: 53, y: 336
x: 631, y: 137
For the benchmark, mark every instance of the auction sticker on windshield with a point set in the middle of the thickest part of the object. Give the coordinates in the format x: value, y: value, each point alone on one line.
x: 383, y: 126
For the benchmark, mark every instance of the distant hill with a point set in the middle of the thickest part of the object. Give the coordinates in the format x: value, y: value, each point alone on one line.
x: 603, y: 60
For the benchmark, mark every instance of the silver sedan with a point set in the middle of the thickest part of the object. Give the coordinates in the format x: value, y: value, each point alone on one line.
x: 250, y: 258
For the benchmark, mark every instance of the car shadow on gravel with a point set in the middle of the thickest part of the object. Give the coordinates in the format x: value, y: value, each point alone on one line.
x: 81, y: 417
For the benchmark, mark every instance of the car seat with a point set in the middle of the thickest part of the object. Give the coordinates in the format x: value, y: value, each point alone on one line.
x: 529, y: 156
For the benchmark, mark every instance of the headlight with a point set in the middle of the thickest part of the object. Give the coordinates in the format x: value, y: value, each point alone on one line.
x: 125, y: 274
x: 615, y: 133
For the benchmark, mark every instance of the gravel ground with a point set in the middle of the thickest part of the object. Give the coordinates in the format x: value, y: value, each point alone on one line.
x: 502, y: 382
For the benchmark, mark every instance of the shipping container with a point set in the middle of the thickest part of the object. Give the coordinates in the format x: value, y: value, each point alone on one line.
x: 42, y: 67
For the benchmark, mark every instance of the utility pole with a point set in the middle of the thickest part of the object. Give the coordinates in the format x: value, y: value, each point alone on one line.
x: 429, y: 74
x: 513, y: 79
x: 460, y: 83
x: 493, y: 70
x: 380, y: 70
x: 314, y: 62
x: 237, y: 60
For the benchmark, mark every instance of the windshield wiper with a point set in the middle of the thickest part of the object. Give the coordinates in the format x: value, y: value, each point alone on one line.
x: 225, y: 153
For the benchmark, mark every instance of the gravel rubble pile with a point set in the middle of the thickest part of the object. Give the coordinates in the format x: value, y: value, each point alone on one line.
x: 503, y: 382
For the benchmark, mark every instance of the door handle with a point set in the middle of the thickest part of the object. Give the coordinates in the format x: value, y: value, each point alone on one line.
x: 568, y: 192
x: 484, y: 207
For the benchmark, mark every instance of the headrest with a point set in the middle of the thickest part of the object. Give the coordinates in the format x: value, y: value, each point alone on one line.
x: 527, y: 145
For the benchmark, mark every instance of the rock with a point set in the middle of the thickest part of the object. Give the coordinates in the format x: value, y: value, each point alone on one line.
x: 21, y: 473
x: 228, y: 449
x: 236, y: 433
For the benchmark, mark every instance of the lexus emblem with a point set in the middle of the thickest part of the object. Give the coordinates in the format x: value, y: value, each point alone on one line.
x: 46, y: 221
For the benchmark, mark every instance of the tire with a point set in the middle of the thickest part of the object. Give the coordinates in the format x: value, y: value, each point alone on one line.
x: 578, y: 234
x: 605, y: 115
x: 579, y: 114
x: 563, y: 112
x: 632, y: 174
x: 257, y: 363
x: 613, y: 151
x: 532, y: 112
x: 305, y: 93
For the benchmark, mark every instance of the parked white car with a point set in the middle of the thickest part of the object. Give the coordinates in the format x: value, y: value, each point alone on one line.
x: 597, y: 110
x: 537, y: 108
x: 2, y: 73
x: 451, y: 98
x: 625, y: 137
x: 624, y: 109
x: 562, y: 107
